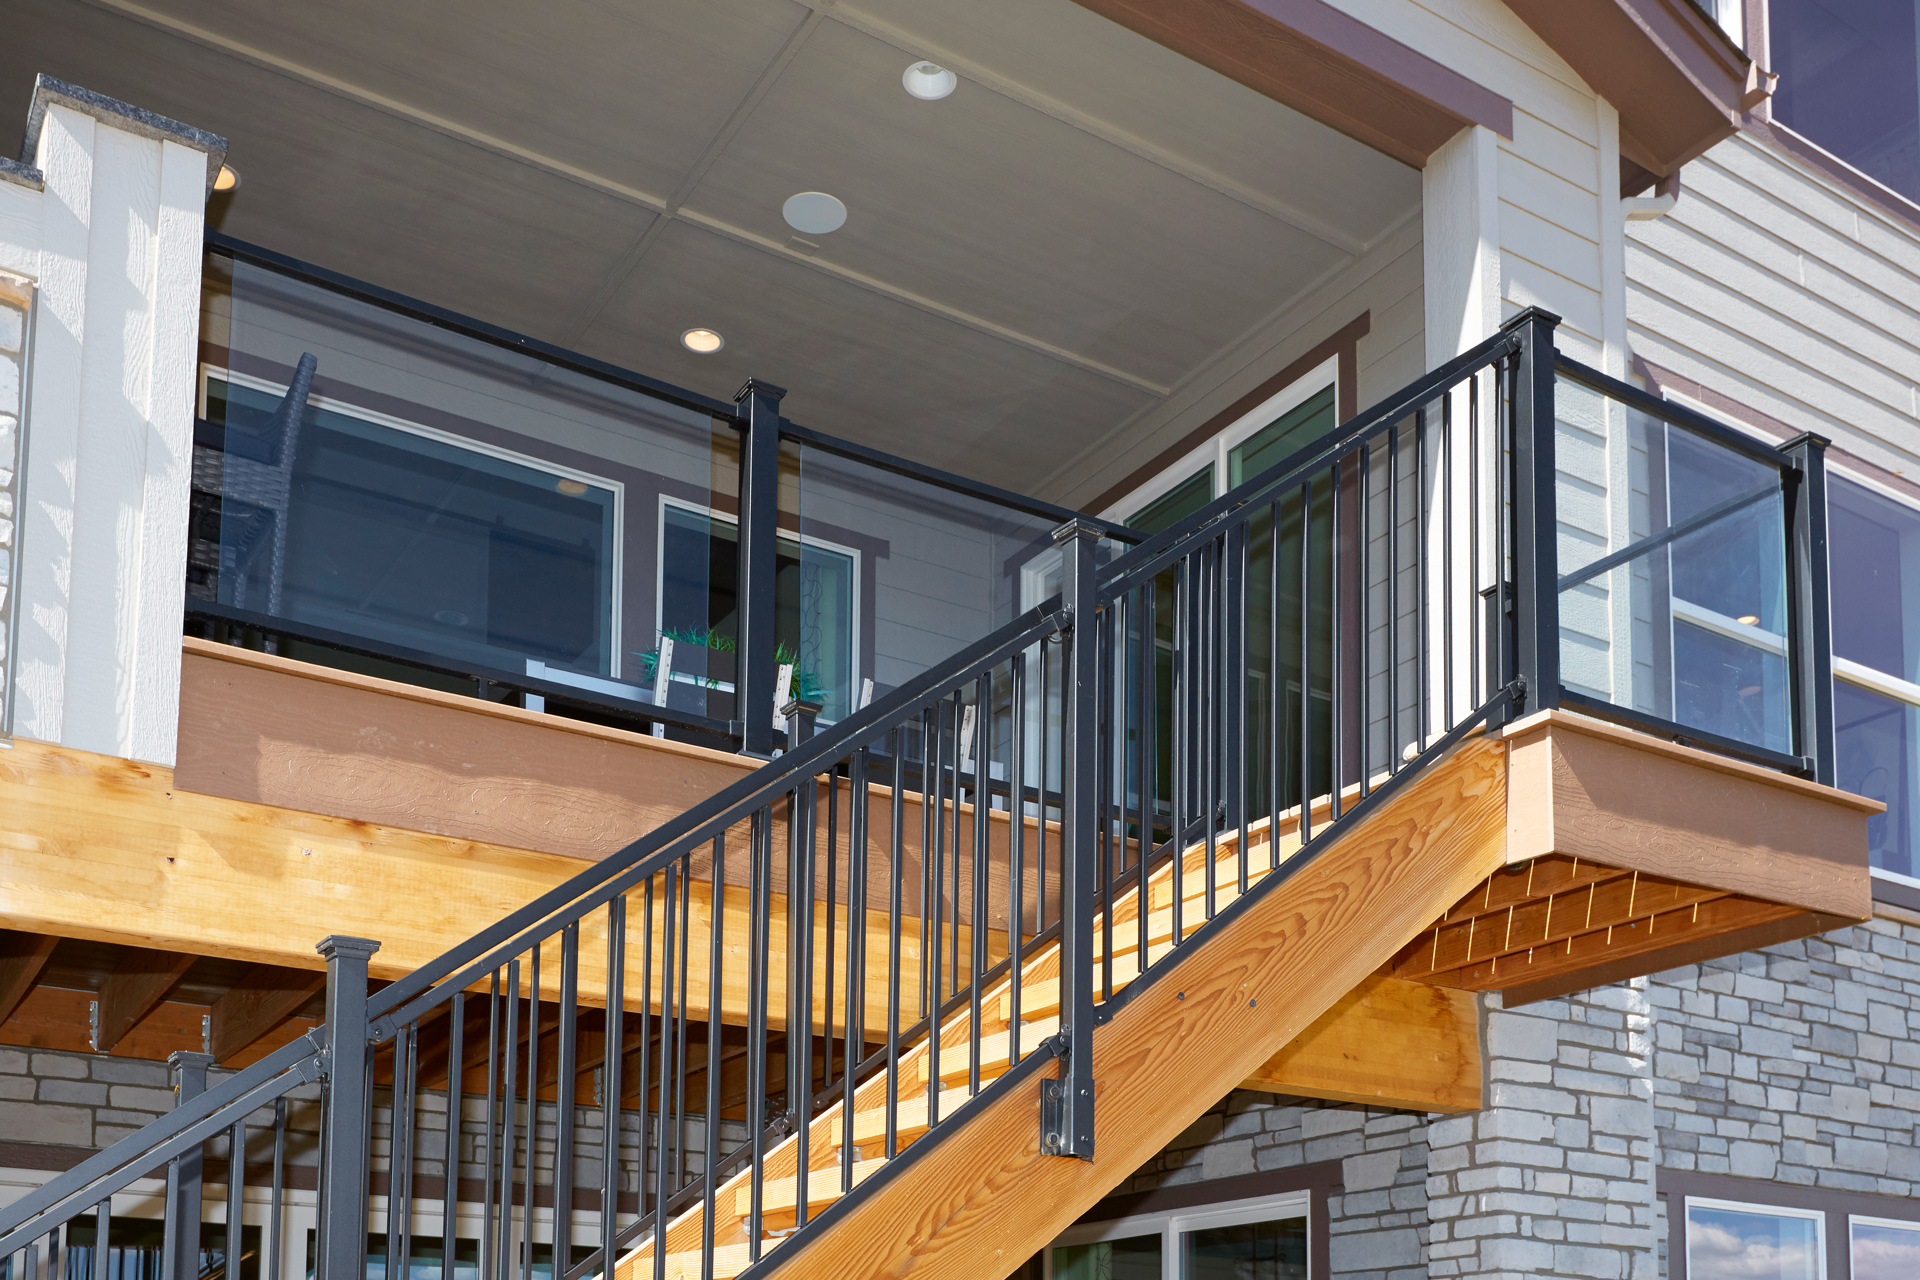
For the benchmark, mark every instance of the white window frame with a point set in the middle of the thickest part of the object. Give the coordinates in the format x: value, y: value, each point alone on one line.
x: 1862, y: 1219
x: 1816, y: 1216
x: 1219, y: 448
x: 733, y: 521
x: 1170, y: 1226
x: 208, y: 372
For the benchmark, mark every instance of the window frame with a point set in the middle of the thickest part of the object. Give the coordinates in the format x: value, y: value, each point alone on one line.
x: 1816, y: 1216
x: 560, y: 471
x: 1171, y: 1224
x: 803, y: 539
x: 1873, y: 1220
x: 1217, y: 449
x: 1858, y: 674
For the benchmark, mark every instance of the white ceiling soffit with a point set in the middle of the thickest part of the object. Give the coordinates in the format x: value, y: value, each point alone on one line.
x: 1057, y: 247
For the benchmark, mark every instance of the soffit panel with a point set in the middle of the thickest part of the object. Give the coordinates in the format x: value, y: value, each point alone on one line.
x: 629, y: 91
x: 1073, y: 56
x: 859, y: 365
x: 349, y: 187
x: 964, y: 201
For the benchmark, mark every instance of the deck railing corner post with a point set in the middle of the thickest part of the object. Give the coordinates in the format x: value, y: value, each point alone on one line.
x: 341, y: 1238
x: 1810, y: 604
x: 181, y: 1258
x: 1067, y: 1106
x: 1536, y: 622
x: 759, y: 517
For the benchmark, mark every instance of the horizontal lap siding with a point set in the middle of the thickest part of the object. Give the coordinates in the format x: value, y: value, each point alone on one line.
x: 1772, y: 286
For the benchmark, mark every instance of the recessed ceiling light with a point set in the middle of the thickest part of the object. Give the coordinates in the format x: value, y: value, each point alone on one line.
x: 814, y: 213
x: 929, y: 81
x: 227, y: 179
x: 703, y: 342
x: 572, y: 488
x: 1750, y: 620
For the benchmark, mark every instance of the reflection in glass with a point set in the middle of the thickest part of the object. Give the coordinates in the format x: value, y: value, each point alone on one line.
x: 1293, y: 430
x: 1876, y: 739
x: 1847, y: 81
x: 1134, y: 1258
x: 373, y: 529
x: 1183, y: 499
x: 1750, y: 1244
x: 1885, y: 1250
x: 1875, y: 579
x: 1246, y: 1251
x: 1673, y: 596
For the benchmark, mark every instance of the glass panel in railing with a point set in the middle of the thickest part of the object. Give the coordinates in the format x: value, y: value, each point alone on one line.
x: 1672, y: 568
x: 361, y: 473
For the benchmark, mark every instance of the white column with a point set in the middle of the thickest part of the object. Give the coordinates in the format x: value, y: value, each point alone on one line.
x: 109, y: 425
x: 1460, y: 214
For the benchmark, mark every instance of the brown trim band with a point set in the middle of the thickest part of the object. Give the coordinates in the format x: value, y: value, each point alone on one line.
x: 1343, y: 345
x: 1325, y: 64
x: 1757, y: 1191
x: 1321, y: 1178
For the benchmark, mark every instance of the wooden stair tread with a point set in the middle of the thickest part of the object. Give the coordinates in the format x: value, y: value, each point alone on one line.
x: 779, y: 1195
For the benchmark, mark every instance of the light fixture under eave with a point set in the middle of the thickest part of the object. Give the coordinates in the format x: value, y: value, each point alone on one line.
x: 814, y: 213
x: 227, y: 179
x: 702, y: 342
x: 928, y: 81
x: 1750, y: 620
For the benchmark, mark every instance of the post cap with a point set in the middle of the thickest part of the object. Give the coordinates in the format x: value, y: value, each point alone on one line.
x: 346, y: 948
x: 1078, y: 527
x: 1527, y: 317
x: 758, y: 386
x: 1811, y: 439
x: 803, y: 707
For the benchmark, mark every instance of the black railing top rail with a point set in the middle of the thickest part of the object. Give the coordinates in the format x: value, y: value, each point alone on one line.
x: 728, y: 410
x: 613, y: 876
x: 555, y: 692
x: 1155, y: 552
x: 1677, y: 414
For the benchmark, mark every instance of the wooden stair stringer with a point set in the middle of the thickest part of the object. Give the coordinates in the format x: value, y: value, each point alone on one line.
x: 992, y: 1199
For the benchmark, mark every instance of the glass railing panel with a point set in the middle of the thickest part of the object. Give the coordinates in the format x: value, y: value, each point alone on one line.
x: 1672, y: 567
x: 436, y: 493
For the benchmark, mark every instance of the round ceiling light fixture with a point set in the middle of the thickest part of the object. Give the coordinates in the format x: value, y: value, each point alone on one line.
x: 814, y: 213
x: 227, y: 179
x: 929, y: 81
x: 702, y: 342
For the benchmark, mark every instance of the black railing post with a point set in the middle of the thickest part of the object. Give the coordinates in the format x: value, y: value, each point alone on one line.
x: 1535, y: 520
x: 1810, y: 624
x: 181, y: 1260
x: 759, y: 517
x: 1066, y: 1111
x: 341, y: 1238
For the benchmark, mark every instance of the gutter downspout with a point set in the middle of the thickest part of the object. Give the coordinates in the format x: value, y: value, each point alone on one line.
x: 1666, y: 194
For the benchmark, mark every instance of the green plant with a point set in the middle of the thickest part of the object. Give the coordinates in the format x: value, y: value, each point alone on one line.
x: 805, y: 683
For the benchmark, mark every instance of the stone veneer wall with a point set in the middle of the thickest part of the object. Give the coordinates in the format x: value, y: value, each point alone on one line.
x: 1798, y: 1064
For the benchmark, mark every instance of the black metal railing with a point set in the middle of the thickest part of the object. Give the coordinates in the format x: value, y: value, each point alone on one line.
x: 700, y: 1053
x: 313, y: 381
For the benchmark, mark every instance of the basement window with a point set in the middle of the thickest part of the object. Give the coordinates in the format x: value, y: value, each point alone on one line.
x: 1261, y: 1239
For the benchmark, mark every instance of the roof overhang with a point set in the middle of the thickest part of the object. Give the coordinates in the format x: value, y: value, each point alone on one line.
x: 1679, y: 84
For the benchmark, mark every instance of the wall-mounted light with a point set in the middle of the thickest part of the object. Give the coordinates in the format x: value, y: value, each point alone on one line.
x: 227, y: 179
x: 814, y: 213
x: 702, y: 342
x: 928, y: 81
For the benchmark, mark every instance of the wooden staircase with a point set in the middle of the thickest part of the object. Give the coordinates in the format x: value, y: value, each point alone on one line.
x: 985, y: 1198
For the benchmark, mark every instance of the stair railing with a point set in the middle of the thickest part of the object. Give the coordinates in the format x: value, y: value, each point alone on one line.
x: 716, y: 1042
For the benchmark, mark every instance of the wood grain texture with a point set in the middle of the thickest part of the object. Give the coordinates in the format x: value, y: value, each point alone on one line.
x: 265, y: 997
x: 1608, y: 795
x: 1386, y: 1043
x: 299, y: 736
x: 140, y: 980
x: 991, y: 1199
x: 22, y: 957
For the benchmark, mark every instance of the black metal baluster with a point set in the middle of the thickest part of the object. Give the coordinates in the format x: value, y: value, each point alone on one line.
x: 855, y: 1021
x: 760, y: 930
x: 1306, y: 663
x: 567, y: 1065
x: 406, y: 1081
x: 1365, y: 638
x: 277, y: 1196
x: 1337, y: 655
x: 896, y: 850
x: 533, y: 1110
x: 1423, y: 545
x: 1276, y: 692
x: 981, y: 752
x: 490, y: 1245
x: 450, y: 1159
x: 613, y: 1052
x: 663, y: 1116
x: 1446, y: 562
x: 1393, y: 599
x: 509, y: 1128
x: 716, y: 992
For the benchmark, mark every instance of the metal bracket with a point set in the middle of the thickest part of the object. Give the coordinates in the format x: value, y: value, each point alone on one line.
x: 1062, y: 624
x: 320, y: 1065
x: 381, y: 1030
x: 1053, y: 1095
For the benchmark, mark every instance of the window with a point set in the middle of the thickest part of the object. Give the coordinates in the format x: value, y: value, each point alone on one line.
x: 1283, y: 423
x: 815, y: 584
x: 1882, y: 1249
x: 1726, y: 1240
x: 1849, y: 82
x: 1875, y: 571
x: 366, y: 524
x: 1261, y: 1239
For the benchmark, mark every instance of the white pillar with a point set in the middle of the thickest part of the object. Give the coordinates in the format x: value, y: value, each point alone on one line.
x: 1460, y: 214
x: 109, y: 422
